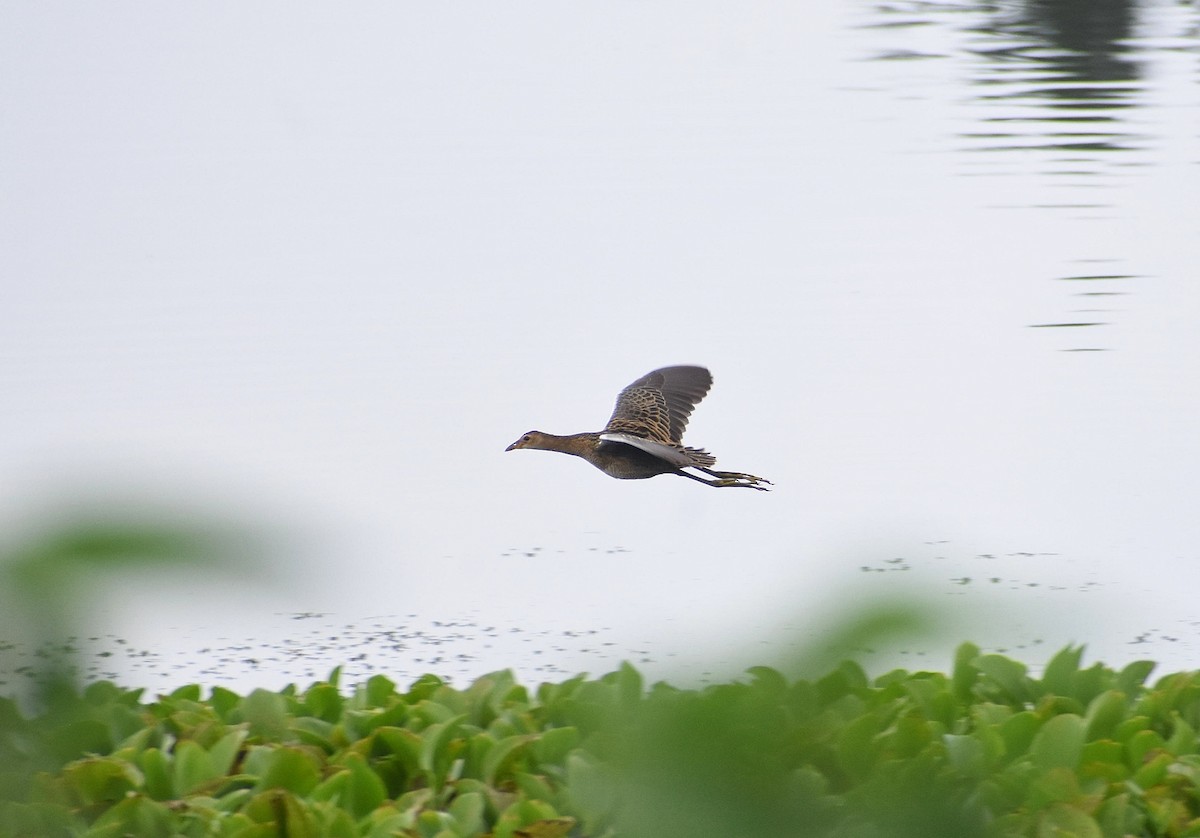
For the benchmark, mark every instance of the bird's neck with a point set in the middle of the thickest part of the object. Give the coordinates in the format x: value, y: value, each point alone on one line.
x: 580, y: 445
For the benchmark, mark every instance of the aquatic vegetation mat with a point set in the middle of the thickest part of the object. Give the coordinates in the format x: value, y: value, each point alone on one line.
x: 985, y: 750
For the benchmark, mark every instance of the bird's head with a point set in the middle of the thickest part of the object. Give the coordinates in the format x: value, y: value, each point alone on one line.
x: 533, y: 439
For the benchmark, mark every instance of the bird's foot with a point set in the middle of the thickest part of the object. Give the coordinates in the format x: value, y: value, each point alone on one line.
x: 749, y: 478
x: 730, y: 479
x: 739, y: 482
x: 737, y: 478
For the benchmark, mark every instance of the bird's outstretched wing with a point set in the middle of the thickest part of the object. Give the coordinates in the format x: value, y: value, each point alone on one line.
x: 657, y: 406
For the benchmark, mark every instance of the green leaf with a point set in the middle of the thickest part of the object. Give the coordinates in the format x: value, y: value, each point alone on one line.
x: 1059, y: 742
x: 1141, y: 744
x: 965, y: 673
x: 489, y: 696
x: 423, y: 688
x: 547, y: 828
x: 37, y: 819
x: 313, y: 731
x: 1059, y: 675
x: 934, y: 700
x: 188, y: 692
x: 988, y: 714
x: 225, y: 750
x: 966, y: 754
x: 1009, y: 675
x: 1062, y: 821
x: 553, y: 745
x: 1153, y: 771
x: 1133, y: 676
x: 138, y: 741
x: 1104, y: 758
x: 1167, y: 816
x: 267, y: 714
x: 413, y: 802
x: 336, y: 823
x: 364, y: 791
x: 287, y: 768
x: 234, y: 800
x: 435, y: 749
x: 848, y: 678
x: 1018, y: 731
x: 134, y: 816
x: 1104, y: 713
x: 1054, y: 785
x: 1183, y: 737
x: 325, y: 702
x: 432, y: 712
x: 591, y: 788
x: 332, y: 787
x: 857, y: 746
x: 285, y: 813
x: 156, y: 769
x: 526, y: 817
x: 768, y: 679
x: 384, y: 824
x: 193, y: 768
x: 535, y: 787
x: 629, y: 685
x: 379, y: 691
x: 909, y: 735
x: 79, y: 738
x: 108, y: 543
x: 101, y: 779
x: 500, y: 755
x: 224, y: 701
x: 467, y: 811
x: 1117, y: 818
x: 404, y: 744
x: 433, y: 824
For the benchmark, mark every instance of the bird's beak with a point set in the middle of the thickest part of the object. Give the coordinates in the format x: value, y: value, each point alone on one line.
x: 514, y: 446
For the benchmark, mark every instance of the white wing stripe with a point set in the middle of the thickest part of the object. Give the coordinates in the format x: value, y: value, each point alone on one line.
x: 664, y: 452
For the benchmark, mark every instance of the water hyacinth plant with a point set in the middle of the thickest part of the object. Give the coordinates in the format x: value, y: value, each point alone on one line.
x: 984, y: 750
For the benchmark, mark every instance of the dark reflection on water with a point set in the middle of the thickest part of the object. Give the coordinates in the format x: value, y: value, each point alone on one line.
x: 1069, y: 63
x: 1054, y: 76
x: 1094, y: 288
x: 1051, y: 88
x: 1090, y: 35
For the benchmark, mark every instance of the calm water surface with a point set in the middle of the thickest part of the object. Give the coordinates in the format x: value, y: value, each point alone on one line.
x: 940, y: 257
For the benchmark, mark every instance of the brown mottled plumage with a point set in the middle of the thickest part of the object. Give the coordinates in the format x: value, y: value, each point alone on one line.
x: 644, y: 436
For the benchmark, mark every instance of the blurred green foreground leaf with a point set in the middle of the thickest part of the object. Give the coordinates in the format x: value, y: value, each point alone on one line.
x: 48, y: 582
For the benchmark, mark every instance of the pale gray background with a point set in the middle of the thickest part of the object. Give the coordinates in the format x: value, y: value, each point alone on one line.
x: 318, y: 266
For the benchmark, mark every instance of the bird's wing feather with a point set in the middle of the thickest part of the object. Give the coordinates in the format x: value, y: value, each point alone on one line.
x: 659, y: 403
x: 672, y: 455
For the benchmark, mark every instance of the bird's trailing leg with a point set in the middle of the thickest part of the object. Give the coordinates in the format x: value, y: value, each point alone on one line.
x: 729, y: 478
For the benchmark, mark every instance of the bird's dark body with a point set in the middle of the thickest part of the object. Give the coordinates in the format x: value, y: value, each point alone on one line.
x: 624, y: 462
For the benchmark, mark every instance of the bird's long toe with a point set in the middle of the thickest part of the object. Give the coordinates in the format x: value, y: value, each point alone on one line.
x: 740, y: 484
x: 738, y: 476
x: 752, y: 479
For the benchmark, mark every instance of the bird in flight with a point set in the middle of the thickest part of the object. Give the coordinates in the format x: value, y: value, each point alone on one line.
x: 643, y: 437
